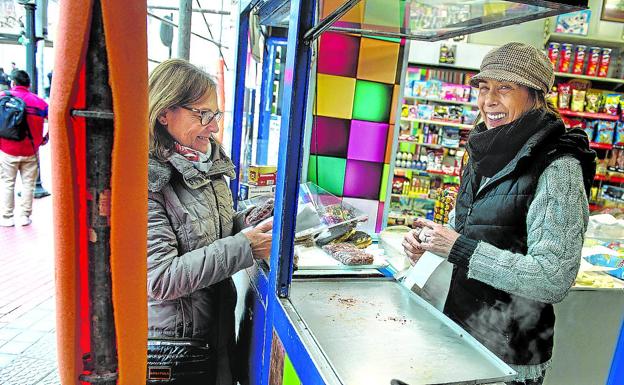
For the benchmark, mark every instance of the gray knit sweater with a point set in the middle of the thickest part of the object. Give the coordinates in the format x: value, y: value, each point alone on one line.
x: 556, y: 221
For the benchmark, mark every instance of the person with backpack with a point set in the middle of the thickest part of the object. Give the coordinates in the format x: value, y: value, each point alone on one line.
x: 4, y: 80
x: 19, y: 145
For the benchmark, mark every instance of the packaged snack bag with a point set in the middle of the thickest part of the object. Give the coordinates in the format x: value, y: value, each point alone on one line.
x: 605, y: 60
x: 604, y: 132
x: 593, y: 61
x: 612, y: 101
x: 579, y: 59
x: 565, y: 93
x: 425, y: 111
x: 590, y: 129
x: 566, y: 57
x: 593, y: 101
x: 578, y: 100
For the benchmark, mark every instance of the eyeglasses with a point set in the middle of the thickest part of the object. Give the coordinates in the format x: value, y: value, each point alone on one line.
x: 205, y: 116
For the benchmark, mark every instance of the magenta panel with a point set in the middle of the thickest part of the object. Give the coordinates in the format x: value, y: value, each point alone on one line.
x: 367, y: 141
x: 338, y: 54
x: 380, y: 212
x: 330, y: 136
x: 362, y: 179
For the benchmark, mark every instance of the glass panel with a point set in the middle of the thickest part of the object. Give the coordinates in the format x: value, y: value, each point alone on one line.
x: 428, y: 19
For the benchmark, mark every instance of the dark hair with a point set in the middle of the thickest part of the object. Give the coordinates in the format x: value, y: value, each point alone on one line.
x: 21, y: 78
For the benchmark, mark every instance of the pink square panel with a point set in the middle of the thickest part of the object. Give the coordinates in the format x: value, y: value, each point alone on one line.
x: 330, y: 136
x: 362, y: 179
x: 367, y: 141
x: 338, y: 54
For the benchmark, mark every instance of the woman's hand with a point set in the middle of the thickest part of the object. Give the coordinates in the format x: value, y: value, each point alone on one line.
x: 412, y: 245
x: 436, y: 238
x: 260, y: 239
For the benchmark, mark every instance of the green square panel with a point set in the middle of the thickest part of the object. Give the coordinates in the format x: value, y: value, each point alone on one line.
x: 372, y: 101
x: 327, y: 172
x: 290, y: 375
x: 312, y: 168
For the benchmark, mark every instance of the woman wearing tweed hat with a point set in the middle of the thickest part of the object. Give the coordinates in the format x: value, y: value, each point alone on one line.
x: 516, y: 233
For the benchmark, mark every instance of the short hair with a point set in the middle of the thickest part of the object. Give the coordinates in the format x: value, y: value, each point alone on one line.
x: 21, y: 78
x: 173, y: 83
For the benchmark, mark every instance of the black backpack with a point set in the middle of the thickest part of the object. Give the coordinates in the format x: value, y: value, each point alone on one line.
x: 13, y: 125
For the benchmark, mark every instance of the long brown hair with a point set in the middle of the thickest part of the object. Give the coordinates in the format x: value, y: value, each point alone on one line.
x: 173, y: 83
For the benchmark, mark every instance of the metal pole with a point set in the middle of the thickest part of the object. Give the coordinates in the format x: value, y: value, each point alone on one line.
x: 31, y: 45
x: 41, y: 31
x: 198, y: 10
x: 184, y: 30
x: 101, y: 362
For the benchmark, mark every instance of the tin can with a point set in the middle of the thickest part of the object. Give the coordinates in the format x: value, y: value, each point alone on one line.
x: 579, y: 59
x: 605, y: 60
x: 593, y: 61
x: 566, y: 57
x: 553, y: 53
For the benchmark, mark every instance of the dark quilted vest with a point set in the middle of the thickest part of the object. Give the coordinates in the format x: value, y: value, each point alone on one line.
x: 516, y: 329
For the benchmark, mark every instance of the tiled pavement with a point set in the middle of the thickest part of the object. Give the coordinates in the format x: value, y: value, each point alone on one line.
x: 27, y: 316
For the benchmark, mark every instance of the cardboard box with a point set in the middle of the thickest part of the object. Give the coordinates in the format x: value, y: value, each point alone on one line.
x: 248, y: 191
x: 262, y: 175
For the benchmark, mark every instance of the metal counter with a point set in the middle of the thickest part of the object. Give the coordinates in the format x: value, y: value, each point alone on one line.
x: 374, y: 330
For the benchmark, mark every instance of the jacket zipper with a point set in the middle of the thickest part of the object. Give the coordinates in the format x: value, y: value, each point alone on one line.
x: 183, y: 318
x: 214, y: 192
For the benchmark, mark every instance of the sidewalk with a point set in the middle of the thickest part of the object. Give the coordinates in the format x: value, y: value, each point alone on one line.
x: 27, y: 315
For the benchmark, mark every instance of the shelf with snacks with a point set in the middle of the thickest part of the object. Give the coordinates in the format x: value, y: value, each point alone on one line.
x: 431, y: 145
x: 439, y: 123
x: 587, y: 77
x: 443, y: 101
x: 422, y: 197
x: 588, y: 115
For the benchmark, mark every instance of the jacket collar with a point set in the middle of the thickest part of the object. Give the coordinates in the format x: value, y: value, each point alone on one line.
x: 160, y: 173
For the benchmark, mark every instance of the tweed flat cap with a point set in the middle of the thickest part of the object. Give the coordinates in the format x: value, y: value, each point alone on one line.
x: 517, y: 63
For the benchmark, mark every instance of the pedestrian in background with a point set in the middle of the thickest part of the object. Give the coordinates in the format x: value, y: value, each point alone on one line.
x: 4, y: 80
x: 21, y: 156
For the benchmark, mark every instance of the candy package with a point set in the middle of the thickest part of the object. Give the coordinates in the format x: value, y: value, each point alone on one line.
x: 590, y: 129
x: 565, y: 94
x: 604, y: 132
x: 424, y: 111
x: 619, y: 134
x: 578, y: 100
x: 405, y: 110
x: 441, y: 112
x: 612, y: 101
x: 552, y: 96
x: 593, y: 101
x: 469, y: 115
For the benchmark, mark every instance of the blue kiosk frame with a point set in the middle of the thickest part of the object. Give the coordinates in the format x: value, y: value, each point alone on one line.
x: 270, y: 288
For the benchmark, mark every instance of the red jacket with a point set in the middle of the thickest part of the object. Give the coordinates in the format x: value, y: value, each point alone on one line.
x: 36, y: 113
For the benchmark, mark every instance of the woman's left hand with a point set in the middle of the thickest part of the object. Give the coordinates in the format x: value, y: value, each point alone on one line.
x: 436, y: 238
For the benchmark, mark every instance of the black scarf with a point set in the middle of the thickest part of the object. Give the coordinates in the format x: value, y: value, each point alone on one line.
x: 491, y: 150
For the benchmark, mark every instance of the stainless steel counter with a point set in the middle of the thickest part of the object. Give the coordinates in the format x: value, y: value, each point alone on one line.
x: 374, y: 330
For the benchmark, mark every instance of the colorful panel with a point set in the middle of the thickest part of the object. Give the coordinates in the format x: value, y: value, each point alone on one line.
x: 389, y: 142
x: 290, y: 375
x: 276, y: 368
x: 330, y: 136
x: 362, y: 179
x: 367, y: 141
x: 385, y: 13
x: 380, y: 212
x: 355, y: 14
x: 338, y: 54
x: 394, y: 105
x: 372, y: 101
x: 384, y: 182
x: 378, y: 60
x: 328, y: 173
x: 334, y: 96
x: 370, y: 208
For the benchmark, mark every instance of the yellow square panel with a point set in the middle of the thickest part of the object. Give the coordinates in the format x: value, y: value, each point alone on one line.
x: 395, y: 103
x: 334, y: 97
x: 355, y: 14
x: 378, y: 60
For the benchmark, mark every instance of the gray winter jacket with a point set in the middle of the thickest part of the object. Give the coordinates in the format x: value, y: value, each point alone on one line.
x: 194, y: 246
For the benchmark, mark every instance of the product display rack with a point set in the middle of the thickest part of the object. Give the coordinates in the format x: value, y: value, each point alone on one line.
x: 603, y: 129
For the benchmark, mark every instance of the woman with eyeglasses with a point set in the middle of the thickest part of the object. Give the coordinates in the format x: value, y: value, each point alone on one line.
x: 195, y: 238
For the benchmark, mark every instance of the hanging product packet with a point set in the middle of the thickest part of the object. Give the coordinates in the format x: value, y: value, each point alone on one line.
x: 578, y: 100
x: 565, y: 94
x: 604, y: 132
x: 593, y: 101
x: 611, y: 104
